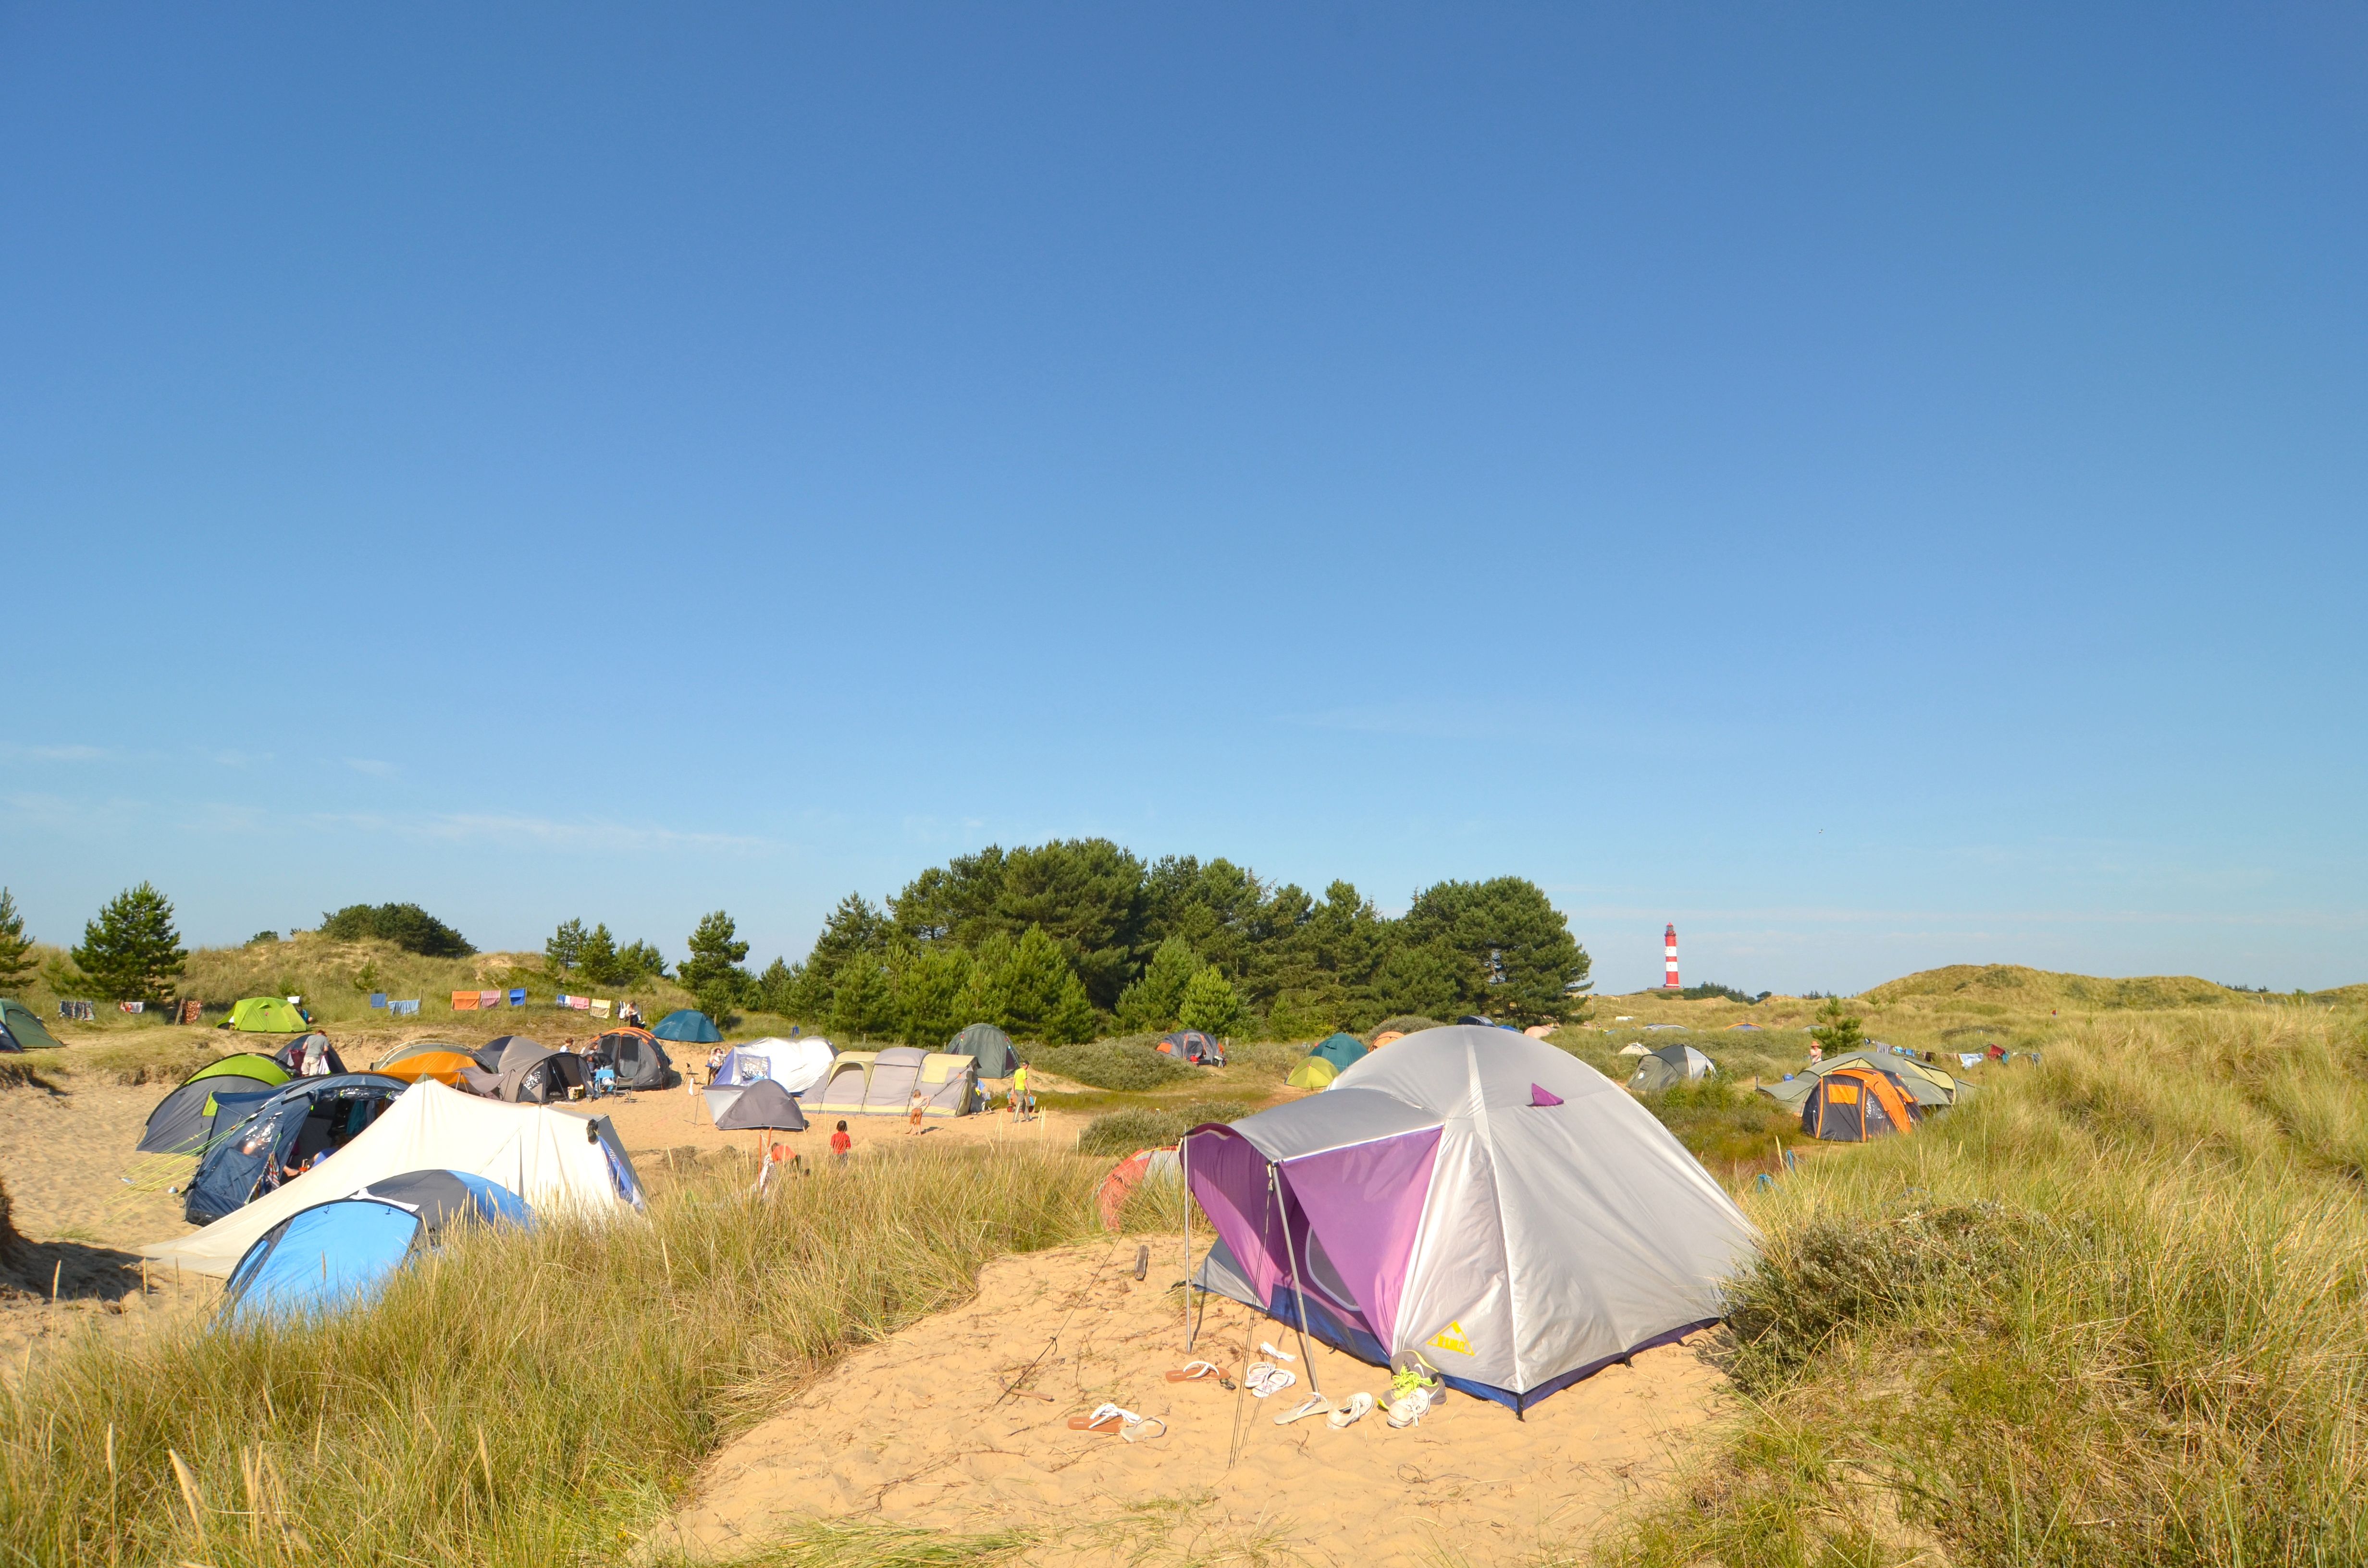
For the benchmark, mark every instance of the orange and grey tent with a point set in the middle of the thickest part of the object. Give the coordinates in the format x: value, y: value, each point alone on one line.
x: 1851, y: 1104
x: 444, y: 1066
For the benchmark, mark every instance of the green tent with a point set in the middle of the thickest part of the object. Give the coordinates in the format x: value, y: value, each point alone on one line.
x: 20, y: 1026
x: 990, y: 1046
x: 1341, y: 1050
x: 1314, y: 1073
x: 267, y: 1015
x: 182, y: 1119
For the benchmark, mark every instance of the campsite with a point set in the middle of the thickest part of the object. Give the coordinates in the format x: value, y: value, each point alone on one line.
x: 903, y: 1354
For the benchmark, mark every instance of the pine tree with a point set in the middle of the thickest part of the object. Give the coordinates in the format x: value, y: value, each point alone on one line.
x: 1210, y: 1004
x: 132, y: 952
x: 1839, y: 1032
x: 15, y: 948
x: 595, y: 956
x: 861, y: 1004
x: 565, y: 949
x: 637, y: 959
x: 1044, y: 998
x: 928, y: 996
x: 1155, y: 1000
x: 713, y: 966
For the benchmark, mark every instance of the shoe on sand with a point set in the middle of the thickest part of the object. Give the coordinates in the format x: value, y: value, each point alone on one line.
x: 1105, y: 1418
x: 1314, y: 1405
x: 1197, y: 1371
x: 1359, y: 1405
x: 1266, y: 1349
x: 1138, y: 1430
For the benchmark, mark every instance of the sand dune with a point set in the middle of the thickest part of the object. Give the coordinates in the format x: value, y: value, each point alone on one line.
x: 917, y: 1430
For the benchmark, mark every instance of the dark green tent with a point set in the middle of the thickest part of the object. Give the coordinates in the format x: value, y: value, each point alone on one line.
x: 990, y: 1046
x: 1341, y: 1050
x: 20, y: 1028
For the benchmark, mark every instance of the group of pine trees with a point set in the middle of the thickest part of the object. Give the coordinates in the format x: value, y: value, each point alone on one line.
x: 130, y: 951
x: 1067, y: 940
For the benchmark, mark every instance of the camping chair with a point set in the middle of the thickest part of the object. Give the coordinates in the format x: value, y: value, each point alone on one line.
x: 604, y: 1082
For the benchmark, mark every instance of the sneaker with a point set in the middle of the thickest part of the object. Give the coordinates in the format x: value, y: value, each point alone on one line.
x: 1411, y: 1395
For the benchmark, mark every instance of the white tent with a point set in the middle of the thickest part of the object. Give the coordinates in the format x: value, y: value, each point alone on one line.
x: 796, y: 1064
x: 1487, y: 1201
x: 554, y: 1159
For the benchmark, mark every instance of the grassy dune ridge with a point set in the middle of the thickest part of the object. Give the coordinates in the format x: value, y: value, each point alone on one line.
x: 2108, y: 1314
x: 521, y: 1399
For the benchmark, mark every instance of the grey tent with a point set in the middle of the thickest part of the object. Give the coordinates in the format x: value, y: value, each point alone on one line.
x: 536, y: 1073
x: 990, y: 1046
x: 1670, y: 1065
x: 20, y: 1029
x: 1926, y: 1085
x: 762, y: 1105
x: 639, y: 1060
x: 894, y: 1073
x: 1480, y: 1198
x: 843, y: 1089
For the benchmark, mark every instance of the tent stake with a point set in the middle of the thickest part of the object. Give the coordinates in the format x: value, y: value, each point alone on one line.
x: 1275, y: 1182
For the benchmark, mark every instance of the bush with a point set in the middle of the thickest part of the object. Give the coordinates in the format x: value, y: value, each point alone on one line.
x: 1109, y: 1064
x: 1146, y: 1126
x: 407, y: 926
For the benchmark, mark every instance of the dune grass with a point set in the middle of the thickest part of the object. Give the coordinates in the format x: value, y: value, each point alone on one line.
x: 521, y: 1400
x: 2107, y: 1313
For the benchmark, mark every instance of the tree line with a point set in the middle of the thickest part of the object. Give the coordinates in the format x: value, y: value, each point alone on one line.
x: 1071, y: 939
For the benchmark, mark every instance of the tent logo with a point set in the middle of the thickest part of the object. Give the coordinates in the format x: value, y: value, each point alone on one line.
x: 1451, y: 1338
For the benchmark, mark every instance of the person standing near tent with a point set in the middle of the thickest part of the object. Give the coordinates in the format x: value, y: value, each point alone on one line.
x: 915, y: 1108
x: 316, y: 1057
x: 841, y: 1145
x: 1018, y: 1088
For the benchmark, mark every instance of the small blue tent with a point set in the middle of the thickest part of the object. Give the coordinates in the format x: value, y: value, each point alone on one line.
x: 340, y: 1253
x: 688, y: 1025
x: 287, y: 1129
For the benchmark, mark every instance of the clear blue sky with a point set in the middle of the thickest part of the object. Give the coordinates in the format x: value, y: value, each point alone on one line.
x: 1878, y: 486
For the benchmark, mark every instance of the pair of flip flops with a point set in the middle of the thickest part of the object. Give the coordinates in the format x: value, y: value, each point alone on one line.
x: 1264, y: 1380
x: 1108, y: 1418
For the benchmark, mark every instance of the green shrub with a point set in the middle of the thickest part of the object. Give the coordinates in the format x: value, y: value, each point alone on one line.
x: 1149, y: 1126
x: 1109, y: 1064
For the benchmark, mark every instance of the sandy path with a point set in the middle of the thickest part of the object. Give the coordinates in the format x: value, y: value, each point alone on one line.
x: 63, y: 1158
x: 915, y: 1431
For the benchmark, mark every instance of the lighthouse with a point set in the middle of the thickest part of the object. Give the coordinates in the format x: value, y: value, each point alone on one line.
x: 1669, y: 952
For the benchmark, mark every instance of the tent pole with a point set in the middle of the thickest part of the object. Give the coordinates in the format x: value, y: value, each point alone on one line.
x: 1184, y: 1162
x: 1274, y: 1183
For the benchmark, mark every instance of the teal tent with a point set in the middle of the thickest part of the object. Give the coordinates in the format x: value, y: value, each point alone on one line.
x: 990, y: 1046
x: 688, y: 1026
x: 1341, y: 1050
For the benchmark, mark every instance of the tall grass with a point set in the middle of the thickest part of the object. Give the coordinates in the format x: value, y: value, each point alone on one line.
x: 518, y: 1400
x: 2109, y: 1312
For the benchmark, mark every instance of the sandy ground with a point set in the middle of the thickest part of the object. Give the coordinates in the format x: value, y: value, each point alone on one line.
x: 918, y: 1431
x: 63, y: 1158
x: 653, y: 1122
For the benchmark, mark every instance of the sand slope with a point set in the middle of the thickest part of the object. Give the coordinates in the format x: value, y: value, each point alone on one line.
x: 917, y: 1431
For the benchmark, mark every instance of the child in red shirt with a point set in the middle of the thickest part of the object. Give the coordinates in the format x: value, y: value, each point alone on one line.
x: 840, y: 1143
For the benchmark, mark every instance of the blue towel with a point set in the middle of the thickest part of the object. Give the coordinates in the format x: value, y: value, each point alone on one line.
x: 517, y: 998
x: 404, y: 1009
x: 378, y: 999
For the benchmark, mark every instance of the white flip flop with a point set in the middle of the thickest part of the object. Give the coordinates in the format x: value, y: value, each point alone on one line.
x: 1264, y: 1380
x: 1266, y: 1349
x: 1314, y: 1405
x: 1359, y: 1405
x: 1133, y: 1431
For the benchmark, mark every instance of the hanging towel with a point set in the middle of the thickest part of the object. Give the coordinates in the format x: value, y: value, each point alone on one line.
x: 378, y: 999
x: 489, y: 1000
x: 517, y: 998
x: 132, y: 1007
x: 404, y: 1009
x: 600, y: 1008
x: 581, y: 1003
x: 466, y: 1001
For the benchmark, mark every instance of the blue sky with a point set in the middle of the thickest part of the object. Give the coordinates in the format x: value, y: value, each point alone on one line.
x: 1878, y: 486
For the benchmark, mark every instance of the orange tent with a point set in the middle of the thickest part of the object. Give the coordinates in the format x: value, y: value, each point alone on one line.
x: 1386, y: 1036
x: 1851, y: 1104
x: 444, y: 1066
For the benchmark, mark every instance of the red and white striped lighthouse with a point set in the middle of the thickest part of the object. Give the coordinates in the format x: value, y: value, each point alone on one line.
x: 1669, y: 950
